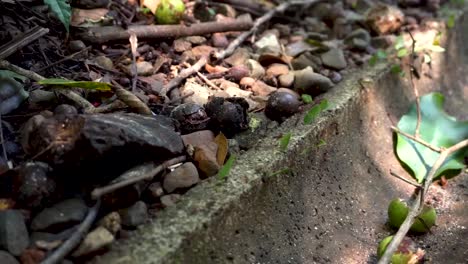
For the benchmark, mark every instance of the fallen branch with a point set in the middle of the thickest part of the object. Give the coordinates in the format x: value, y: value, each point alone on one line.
x: 258, y: 22
x: 19, y: 42
x: 143, y: 172
x: 105, y: 34
x: 71, y: 243
x: 418, y: 203
x: 80, y: 101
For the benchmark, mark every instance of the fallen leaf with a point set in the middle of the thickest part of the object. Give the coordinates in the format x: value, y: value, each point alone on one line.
x: 223, y: 146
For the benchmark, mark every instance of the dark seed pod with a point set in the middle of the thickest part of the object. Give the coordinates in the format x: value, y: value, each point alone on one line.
x: 191, y: 117
x: 281, y: 105
x: 228, y: 115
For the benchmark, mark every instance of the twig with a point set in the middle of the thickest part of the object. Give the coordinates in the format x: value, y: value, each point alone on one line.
x: 133, y: 47
x: 258, y: 22
x: 148, y: 172
x: 207, y: 81
x: 36, y: 77
x: 19, y: 42
x: 115, y: 105
x: 417, y: 139
x: 75, y: 238
x: 105, y: 34
x: 2, y: 140
x: 184, y: 74
x: 418, y: 202
x: 131, y: 100
x: 415, y: 89
x: 405, y: 180
x: 69, y: 57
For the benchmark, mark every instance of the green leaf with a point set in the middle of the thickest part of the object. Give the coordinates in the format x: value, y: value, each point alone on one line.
x: 306, y: 98
x: 451, y: 21
x: 62, y: 9
x: 402, y: 52
x: 284, y: 141
x: 224, y: 171
x: 314, y: 111
x: 381, y: 54
x: 77, y: 84
x: 396, y: 69
x: 437, y: 128
x: 399, y: 43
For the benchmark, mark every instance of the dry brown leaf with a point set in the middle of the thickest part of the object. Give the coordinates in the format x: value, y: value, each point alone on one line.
x: 152, y: 5
x: 6, y: 204
x: 215, y: 69
x: 223, y: 146
x: 79, y: 16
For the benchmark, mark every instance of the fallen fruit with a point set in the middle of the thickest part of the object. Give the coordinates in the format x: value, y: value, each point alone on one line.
x: 406, y: 253
x: 170, y: 11
x: 398, y: 210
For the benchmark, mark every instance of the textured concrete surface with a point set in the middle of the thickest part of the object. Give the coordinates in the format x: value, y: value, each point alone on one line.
x: 316, y: 203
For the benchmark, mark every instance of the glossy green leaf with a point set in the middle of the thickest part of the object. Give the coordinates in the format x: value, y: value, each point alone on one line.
x: 306, y: 98
x: 224, y: 171
x: 437, y: 128
x: 62, y: 9
x: 314, y: 111
x: 77, y: 84
x: 284, y: 141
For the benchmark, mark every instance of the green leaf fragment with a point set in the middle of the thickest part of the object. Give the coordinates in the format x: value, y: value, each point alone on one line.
x: 306, y: 98
x: 381, y: 54
x: 396, y: 69
x: 399, y: 43
x: 224, y: 171
x: 438, y: 129
x: 402, y: 52
x: 321, y: 143
x: 62, y: 9
x: 451, y: 21
x: 77, y: 84
x: 284, y: 141
x: 314, y: 111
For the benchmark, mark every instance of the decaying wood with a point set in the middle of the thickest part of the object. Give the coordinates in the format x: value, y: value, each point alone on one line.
x: 105, y: 34
x: 19, y: 42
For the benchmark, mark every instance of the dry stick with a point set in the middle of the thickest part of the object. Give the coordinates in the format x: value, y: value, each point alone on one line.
x: 405, y: 180
x: 36, y: 77
x: 207, y: 81
x: 75, y: 238
x: 69, y: 57
x: 415, y: 90
x: 25, y: 39
x: 242, y: 37
x: 130, y: 99
x: 417, y: 139
x: 104, y: 34
x: 418, y: 202
x: 183, y: 75
x: 152, y: 170
x: 2, y: 140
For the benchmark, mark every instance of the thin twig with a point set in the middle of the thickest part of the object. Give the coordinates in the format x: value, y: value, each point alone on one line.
x: 75, y: 238
x: 184, y: 74
x: 415, y: 89
x: 149, y: 171
x: 207, y: 81
x: 130, y: 99
x: 418, y: 203
x: 36, y: 77
x: 258, y: 22
x: 2, y: 140
x: 405, y: 180
x: 69, y: 57
x: 417, y: 139
x: 19, y: 42
x: 133, y: 47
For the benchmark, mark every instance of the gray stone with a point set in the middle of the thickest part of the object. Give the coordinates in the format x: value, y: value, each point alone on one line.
x: 155, y: 190
x: 358, y: 39
x: 51, y: 237
x: 134, y: 215
x: 60, y: 216
x: 104, y: 62
x: 306, y: 60
x: 181, y: 45
x: 383, y: 42
x: 183, y: 176
x: 7, y: 258
x: 286, y: 80
x: 76, y: 45
x: 97, y: 239
x: 307, y: 81
x: 170, y: 199
x: 197, y: 40
x: 13, y: 233
x: 334, y: 58
x: 239, y: 57
x: 34, y: 187
x: 256, y: 70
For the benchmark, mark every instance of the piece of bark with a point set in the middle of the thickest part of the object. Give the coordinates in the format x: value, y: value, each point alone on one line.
x: 105, y: 34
